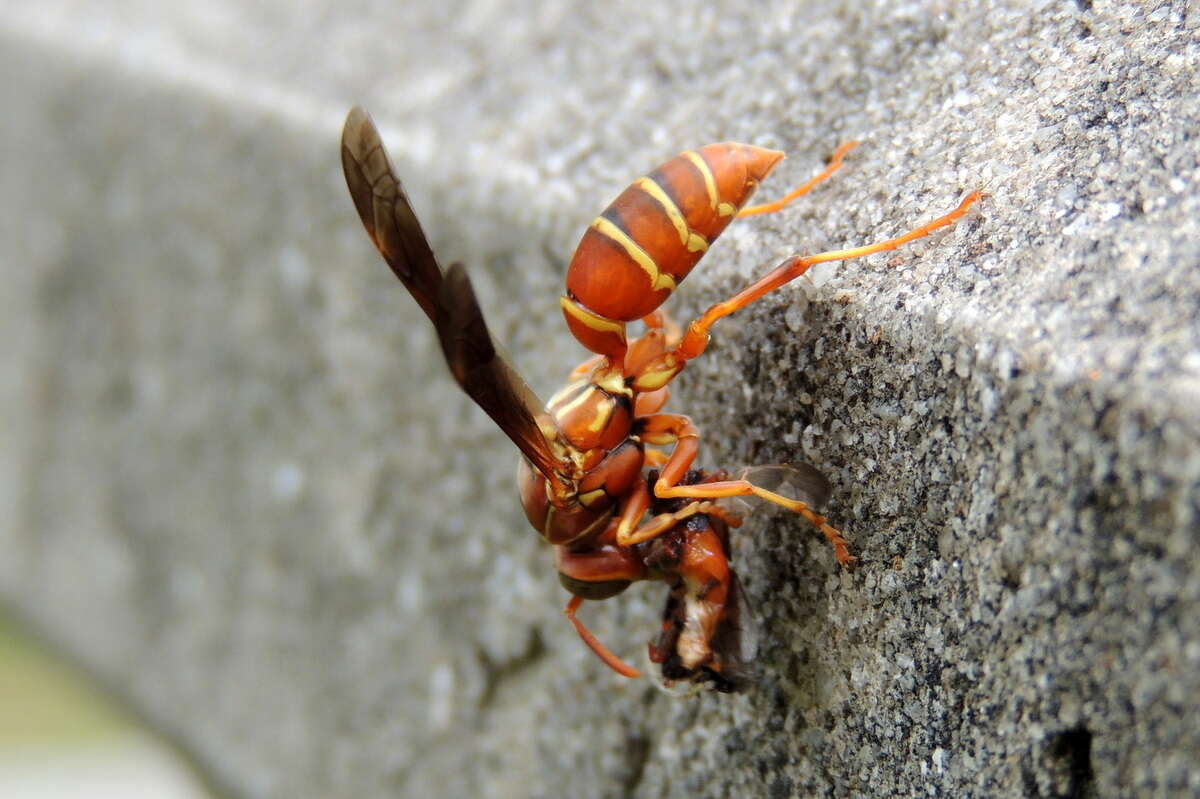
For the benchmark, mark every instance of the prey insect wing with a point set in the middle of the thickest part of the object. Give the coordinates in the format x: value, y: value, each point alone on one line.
x: 800, y: 481
x: 735, y: 644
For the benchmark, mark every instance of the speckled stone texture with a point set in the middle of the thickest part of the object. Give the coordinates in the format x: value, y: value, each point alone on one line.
x: 239, y: 487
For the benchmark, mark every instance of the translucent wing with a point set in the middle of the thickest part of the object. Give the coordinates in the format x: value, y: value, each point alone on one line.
x: 446, y: 298
x: 732, y: 648
x: 801, y: 481
x: 735, y: 644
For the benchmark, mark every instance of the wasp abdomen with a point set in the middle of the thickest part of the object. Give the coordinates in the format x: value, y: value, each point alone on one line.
x: 634, y: 254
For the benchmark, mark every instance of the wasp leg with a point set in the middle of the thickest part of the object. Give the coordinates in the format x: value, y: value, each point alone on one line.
x: 636, y: 503
x: 646, y: 349
x: 662, y: 336
x: 583, y: 368
x: 663, y: 522
x: 654, y: 457
x: 598, y: 573
x: 650, y: 402
x: 835, y: 163
x: 661, y: 320
x: 696, y: 339
x: 656, y: 373
x: 633, y: 508
x: 593, y: 643
x: 741, y: 488
x: 665, y: 427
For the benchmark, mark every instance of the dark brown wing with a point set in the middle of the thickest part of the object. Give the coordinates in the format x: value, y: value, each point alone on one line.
x: 386, y: 212
x: 447, y: 299
x: 486, y: 376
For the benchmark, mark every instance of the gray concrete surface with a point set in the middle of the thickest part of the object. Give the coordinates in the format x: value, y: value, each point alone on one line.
x: 239, y: 487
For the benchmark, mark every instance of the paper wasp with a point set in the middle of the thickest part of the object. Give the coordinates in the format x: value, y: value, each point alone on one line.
x: 582, y: 478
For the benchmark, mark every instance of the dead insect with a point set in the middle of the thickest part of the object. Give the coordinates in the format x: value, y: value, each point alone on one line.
x: 707, y: 634
x: 581, y: 479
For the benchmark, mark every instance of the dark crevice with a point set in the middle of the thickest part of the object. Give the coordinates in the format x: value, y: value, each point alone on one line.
x: 497, y: 672
x: 637, y: 749
x: 1068, y: 765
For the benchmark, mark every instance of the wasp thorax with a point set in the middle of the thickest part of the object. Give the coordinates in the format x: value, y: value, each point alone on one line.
x: 592, y: 416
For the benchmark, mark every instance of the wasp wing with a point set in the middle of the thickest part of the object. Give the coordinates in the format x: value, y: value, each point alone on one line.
x: 386, y: 211
x: 487, y: 377
x: 447, y: 299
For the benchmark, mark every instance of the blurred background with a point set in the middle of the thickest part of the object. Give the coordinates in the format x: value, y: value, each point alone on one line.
x: 238, y: 488
x: 61, y: 737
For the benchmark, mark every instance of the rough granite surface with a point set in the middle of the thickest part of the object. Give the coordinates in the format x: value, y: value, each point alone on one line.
x: 238, y: 485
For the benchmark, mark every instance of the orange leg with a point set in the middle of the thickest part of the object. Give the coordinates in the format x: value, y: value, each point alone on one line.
x: 599, y: 565
x: 603, y: 652
x: 835, y: 163
x: 661, y: 320
x: 665, y: 427
x: 654, y: 457
x: 696, y: 339
x: 583, y: 368
x: 634, y: 507
x: 646, y: 349
x: 638, y: 500
x: 651, y: 402
x: 741, y: 488
x: 662, y: 335
x: 665, y: 521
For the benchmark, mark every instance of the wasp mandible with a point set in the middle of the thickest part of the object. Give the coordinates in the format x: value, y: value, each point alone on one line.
x: 585, y: 453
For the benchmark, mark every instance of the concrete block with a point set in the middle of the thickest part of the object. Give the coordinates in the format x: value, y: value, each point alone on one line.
x: 239, y: 487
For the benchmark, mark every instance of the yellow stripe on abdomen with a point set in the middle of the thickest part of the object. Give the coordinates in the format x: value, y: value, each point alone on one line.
x: 693, y: 241
x: 658, y: 280
x: 710, y: 184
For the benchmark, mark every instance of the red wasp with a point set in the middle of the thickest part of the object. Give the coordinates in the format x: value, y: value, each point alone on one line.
x: 581, y: 479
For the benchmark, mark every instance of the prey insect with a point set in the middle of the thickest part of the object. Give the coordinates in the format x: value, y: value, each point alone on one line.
x: 708, y: 636
x: 586, y: 453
